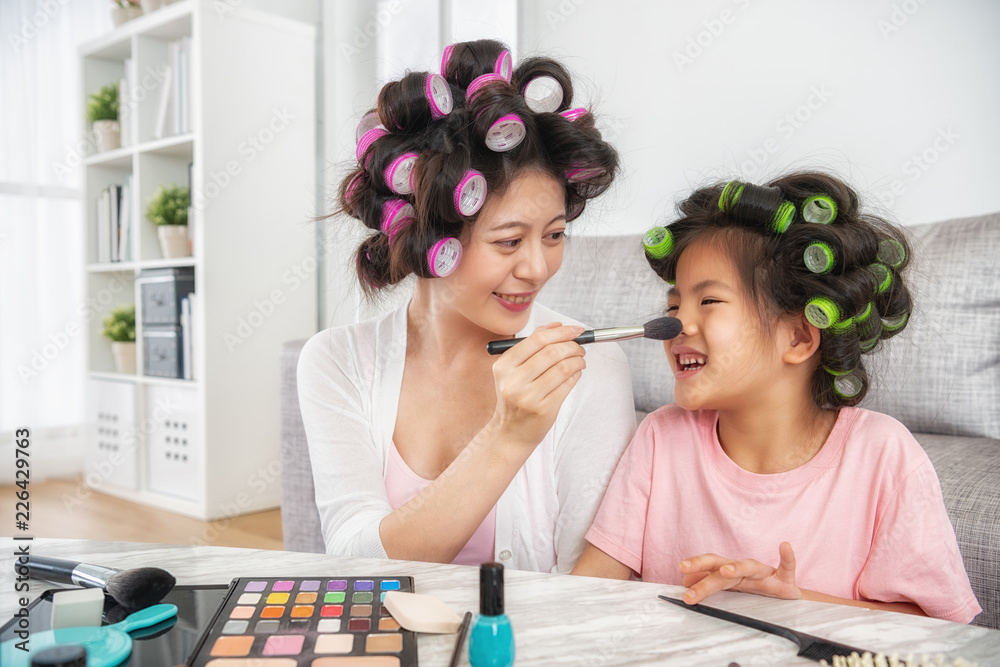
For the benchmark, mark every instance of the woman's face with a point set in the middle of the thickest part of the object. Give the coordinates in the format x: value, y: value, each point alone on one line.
x: 511, y: 251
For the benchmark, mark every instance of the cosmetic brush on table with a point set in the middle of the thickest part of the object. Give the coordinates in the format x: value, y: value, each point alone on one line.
x: 663, y: 328
x: 135, y: 589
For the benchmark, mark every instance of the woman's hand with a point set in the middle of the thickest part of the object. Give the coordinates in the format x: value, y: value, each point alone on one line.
x: 707, y: 574
x: 533, y: 379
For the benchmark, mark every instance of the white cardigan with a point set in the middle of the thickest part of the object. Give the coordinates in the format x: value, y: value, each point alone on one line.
x: 349, y: 380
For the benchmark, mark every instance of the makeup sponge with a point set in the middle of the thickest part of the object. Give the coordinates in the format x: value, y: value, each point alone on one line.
x: 74, y: 609
x: 421, y: 613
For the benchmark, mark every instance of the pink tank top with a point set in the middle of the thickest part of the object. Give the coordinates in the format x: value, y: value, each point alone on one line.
x: 401, y: 484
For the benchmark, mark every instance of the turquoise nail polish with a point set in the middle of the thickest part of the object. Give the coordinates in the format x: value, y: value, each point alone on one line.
x: 491, y: 641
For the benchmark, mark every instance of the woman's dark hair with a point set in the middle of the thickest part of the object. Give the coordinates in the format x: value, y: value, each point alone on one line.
x: 447, y: 147
x: 864, y: 280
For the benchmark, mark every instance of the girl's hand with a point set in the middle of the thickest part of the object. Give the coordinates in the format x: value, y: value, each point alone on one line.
x: 533, y: 379
x: 707, y: 574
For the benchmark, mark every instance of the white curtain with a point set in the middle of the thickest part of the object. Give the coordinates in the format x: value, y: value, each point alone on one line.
x: 42, y: 369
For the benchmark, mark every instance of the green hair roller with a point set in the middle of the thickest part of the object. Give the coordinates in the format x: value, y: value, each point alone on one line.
x: 882, y: 276
x: 895, y: 323
x: 819, y: 257
x: 658, y: 242
x: 730, y: 195
x: 891, y: 253
x: 822, y: 312
x: 847, y: 386
x: 783, y: 217
x: 820, y: 209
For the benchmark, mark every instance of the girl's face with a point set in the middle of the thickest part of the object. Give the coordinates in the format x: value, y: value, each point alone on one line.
x: 721, y: 360
x: 511, y: 251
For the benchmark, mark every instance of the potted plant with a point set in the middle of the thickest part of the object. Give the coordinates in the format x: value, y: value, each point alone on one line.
x: 119, y: 328
x: 168, y: 210
x: 102, y: 113
x: 124, y: 10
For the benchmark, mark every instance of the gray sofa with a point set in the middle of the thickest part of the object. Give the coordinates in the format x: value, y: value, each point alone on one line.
x: 941, y: 377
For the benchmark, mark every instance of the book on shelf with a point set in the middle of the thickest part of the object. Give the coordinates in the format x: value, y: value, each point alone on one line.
x: 103, y: 227
x: 114, y: 228
x: 187, y: 334
x: 125, y: 223
x: 163, y: 110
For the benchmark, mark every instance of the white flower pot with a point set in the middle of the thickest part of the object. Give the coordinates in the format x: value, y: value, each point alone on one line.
x: 174, y: 240
x: 120, y: 15
x: 150, y: 5
x: 107, y: 133
x: 124, y: 354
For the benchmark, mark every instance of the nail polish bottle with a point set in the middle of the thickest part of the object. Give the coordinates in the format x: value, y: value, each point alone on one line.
x: 491, y: 642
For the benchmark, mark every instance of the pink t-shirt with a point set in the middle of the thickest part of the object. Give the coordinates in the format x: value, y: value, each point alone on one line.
x: 401, y: 484
x: 865, y: 516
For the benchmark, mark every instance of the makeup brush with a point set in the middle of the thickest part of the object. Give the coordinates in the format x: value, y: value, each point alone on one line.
x: 136, y: 588
x: 662, y: 328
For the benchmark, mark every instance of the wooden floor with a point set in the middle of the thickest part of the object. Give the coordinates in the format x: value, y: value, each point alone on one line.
x: 103, y: 517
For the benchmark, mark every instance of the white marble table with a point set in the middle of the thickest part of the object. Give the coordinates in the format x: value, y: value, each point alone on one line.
x: 557, y: 619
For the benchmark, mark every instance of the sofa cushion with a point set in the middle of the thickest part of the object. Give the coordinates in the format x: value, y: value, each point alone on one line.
x: 606, y: 282
x: 968, y: 469
x: 942, y: 373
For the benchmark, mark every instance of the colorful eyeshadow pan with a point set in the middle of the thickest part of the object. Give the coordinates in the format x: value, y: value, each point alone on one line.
x: 284, y: 645
x: 317, y: 622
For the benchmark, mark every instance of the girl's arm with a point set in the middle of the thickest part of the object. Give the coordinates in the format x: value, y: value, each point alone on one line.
x: 596, y: 563
x: 901, y: 607
x: 532, y: 379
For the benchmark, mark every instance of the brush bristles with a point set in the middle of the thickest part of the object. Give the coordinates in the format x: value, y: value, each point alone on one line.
x: 663, y: 328
x: 880, y: 660
x: 140, y: 587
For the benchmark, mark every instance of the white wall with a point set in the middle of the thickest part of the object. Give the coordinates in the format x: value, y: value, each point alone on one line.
x: 900, y: 96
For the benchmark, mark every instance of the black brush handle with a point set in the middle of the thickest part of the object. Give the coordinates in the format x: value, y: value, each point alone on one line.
x: 501, y: 346
x: 69, y: 572
x: 797, y: 637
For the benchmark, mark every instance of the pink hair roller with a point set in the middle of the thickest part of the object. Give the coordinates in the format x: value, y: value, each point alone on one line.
x: 470, y: 193
x: 396, y: 214
x: 443, y: 257
x: 438, y: 94
x: 351, y: 189
x: 504, y: 65
x: 543, y: 94
x: 369, y: 138
x: 480, y: 82
x: 582, y: 174
x: 446, y: 58
x: 399, y: 174
x: 368, y: 122
x: 506, y: 133
x: 573, y: 114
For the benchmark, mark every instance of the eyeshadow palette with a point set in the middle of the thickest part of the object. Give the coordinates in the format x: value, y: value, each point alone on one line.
x: 307, y: 622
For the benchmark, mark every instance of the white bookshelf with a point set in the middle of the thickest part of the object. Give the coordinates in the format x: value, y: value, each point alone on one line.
x: 206, y: 447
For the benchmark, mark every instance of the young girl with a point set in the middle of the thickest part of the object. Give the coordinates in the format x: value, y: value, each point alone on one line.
x: 765, y: 477
x: 423, y: 446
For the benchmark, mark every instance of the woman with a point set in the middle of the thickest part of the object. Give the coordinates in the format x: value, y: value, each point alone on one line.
x: 423, y: 446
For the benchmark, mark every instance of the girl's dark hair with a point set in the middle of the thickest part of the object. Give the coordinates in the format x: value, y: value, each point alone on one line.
x: 447, y: 147
x: 777, y: 280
